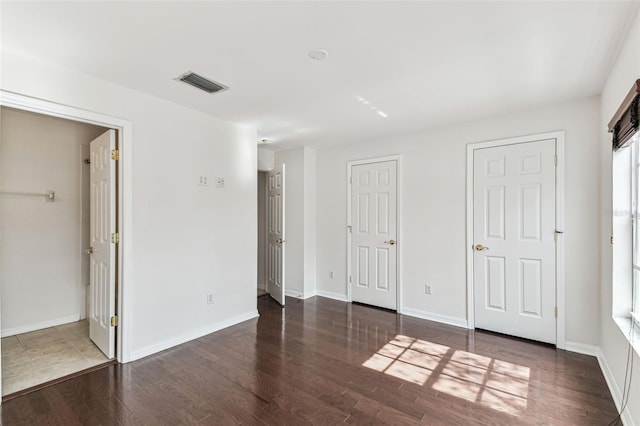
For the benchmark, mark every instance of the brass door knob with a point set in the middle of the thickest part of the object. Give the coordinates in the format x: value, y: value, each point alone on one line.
x: 280, y: 241
x: 89, y: 250
x: 392, y: 242
x: 480, y: 247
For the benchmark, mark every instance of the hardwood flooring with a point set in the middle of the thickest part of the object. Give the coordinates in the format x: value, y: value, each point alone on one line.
x: 321, y: 361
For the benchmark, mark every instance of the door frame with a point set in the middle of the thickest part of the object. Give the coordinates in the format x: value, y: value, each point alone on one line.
x: 398, y: 159
x: 559, y: 216
x: 124, y: 129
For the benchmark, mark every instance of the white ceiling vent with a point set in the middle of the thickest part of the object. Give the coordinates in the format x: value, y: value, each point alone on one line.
x: 201, y: 82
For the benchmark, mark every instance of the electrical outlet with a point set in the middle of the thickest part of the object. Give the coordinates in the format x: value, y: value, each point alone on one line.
x: 210, y: 299
x: 220, y: 182
x: 203, y: 181
x: 428, y: 289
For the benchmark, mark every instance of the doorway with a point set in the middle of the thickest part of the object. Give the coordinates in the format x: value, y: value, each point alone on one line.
x: 514, y: 199
x: 47, y: 308
x: 272, y: 234
x: 373, y: 232
x: 263, y: 178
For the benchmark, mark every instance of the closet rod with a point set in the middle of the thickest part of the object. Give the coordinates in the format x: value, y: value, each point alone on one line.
x: 49, y: 195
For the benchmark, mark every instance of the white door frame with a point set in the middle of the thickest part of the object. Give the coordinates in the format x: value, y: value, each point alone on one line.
x: 400, y: 241
x: 125, y: 197
x: 560, y: 301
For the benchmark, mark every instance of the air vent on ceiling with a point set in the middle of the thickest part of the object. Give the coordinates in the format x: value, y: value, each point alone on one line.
x: 201, y: 82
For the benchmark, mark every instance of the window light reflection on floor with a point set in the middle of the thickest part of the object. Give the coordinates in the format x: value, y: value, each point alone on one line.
x: 496, y: 384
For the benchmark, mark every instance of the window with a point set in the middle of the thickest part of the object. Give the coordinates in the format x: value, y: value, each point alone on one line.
x: 634, y: 306
x: 625, y: 126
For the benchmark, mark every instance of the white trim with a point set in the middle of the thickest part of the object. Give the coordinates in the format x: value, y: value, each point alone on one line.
x: 293, y: 293
x: 616, y: 394
x: 125, y: 213
x: 560, y: 266
x: 560, y: 290
x: 40, y: 325
x: 297, y: 295
x: 331, y: 295
x: 398, y: 159
x: 444, y: 319
x: 186, y: 337
x: 581, y: 348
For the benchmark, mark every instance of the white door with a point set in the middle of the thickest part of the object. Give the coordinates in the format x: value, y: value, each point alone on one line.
x: 102, y: 251
x: 276, y: 235
x: 514, y: 205
x: 373, y: 233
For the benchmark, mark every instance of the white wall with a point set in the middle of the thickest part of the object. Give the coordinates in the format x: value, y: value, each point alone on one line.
x: 42, y: 279
x: 265, y: 159
x: 310, y: 221
x: 434, y: 206
x: 187, y: 240
x: 613, y: 343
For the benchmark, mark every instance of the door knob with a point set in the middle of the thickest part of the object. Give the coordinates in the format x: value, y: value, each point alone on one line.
x: 392, y: 242
x: 480, y: 247
x: 89, y: 250
x: 280, y: 241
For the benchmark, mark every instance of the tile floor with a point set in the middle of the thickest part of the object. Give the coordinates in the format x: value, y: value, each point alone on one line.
x: 33, y: 358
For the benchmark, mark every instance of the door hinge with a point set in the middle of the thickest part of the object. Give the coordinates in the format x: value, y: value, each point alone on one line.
x: 349, y: 278
x: 350, y: 180
x: 115, y: 238
x: 114, y: 321
x: 115, y: 154
x: 611, y: 240
x: 555, y: 311
x: 555, y: 160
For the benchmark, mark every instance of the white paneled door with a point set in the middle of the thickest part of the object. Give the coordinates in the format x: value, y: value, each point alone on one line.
x: 276, y: 234
x: 102, y: 251
x: 373, y: 233
x: 514, y: 205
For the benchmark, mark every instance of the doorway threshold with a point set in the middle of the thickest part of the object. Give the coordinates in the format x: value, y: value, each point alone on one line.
x: 58, y: 380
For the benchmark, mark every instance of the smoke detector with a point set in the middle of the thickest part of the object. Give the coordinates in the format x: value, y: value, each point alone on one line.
x: 318, y: 54
x: 202, y: 83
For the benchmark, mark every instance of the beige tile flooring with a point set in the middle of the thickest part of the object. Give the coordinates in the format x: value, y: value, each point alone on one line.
x: 33, y: 358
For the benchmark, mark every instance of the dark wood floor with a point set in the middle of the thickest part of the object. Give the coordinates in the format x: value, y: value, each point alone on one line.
x: 322, y: 361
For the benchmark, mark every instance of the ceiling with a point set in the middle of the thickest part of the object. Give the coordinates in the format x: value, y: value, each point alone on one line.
x: 423, y: 64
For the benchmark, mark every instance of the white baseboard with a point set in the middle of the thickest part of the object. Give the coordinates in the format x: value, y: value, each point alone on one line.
x: 298, y: 295
x: 331, y: 295
x: 293, y: 293
x: 39, y: 325
x: 456, y: 322
x: 192, y: 335
x: 581, y: 348
x: 616, y: 394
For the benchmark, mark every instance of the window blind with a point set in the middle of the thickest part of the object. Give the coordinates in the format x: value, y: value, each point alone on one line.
x: 625, y: 121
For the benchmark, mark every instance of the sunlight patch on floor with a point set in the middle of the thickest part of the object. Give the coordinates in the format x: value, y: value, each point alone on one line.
x: 490, y: 382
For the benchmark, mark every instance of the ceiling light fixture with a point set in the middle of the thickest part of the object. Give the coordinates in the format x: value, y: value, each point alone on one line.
x: 265, y: 141
x: 318, y: 54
